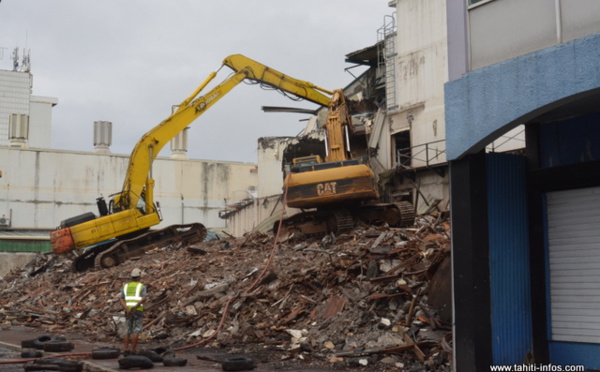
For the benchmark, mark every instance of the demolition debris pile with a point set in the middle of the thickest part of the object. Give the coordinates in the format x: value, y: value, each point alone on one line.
x: 376, y: 296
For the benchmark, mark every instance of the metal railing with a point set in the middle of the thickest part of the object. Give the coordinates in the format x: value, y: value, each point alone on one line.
x: 423, y: 155
x: 433, y: 153
x: 514, y: 139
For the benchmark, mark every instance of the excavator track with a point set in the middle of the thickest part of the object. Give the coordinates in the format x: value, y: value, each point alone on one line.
x: 341, y: 221
x: 126, y: 249
x: 113, y: 254
x: 400, y: 214
x: 315, y: 223
x: 85, y: 261
x: 318, y: 223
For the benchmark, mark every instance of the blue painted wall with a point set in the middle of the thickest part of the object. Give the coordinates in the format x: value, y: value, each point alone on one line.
x: 487, y: 102
x: 574, y: 353
x: 512, y: 334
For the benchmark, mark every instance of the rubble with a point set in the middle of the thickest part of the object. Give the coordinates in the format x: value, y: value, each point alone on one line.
x: 355, y: 300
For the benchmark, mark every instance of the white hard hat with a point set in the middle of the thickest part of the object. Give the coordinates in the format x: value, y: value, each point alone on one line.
x: 136, y: 273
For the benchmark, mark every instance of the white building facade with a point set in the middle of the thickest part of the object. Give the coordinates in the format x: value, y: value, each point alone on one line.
x: 41, y: 186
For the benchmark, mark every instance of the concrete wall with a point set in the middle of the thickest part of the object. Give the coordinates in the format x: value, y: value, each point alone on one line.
x: 501, y: 30
x: 517, y: 91
x: 380, y: 129
x: 433, y: 188
x: 270, y: 174
x: 43, y: 187
x: 40, y: 121
x: 10, y: 260
x: 421, y: 71
x: 266, y: 208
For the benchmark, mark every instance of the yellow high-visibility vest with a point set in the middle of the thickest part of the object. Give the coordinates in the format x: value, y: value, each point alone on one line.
x: 133, y: 295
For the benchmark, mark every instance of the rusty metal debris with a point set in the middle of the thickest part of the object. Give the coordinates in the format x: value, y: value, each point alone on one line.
x: 360, y: 298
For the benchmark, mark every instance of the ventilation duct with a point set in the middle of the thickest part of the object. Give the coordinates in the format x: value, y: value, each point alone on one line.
x: 102, y: 136
x: 18, y: 130
x: 179, y: 145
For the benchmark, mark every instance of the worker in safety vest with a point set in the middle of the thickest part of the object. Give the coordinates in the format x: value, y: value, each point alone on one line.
x: 133, y: 295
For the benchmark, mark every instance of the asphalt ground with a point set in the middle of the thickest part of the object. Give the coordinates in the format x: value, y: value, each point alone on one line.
x: 10, y: 350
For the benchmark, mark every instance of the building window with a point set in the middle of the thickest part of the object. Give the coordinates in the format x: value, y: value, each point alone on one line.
x: 478, y: 2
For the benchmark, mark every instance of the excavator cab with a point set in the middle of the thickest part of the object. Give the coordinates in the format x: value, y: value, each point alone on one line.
x: 305, y: 162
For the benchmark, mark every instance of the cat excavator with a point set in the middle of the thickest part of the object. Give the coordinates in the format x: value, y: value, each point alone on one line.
x: 336, y: 192
x: 122, y: 229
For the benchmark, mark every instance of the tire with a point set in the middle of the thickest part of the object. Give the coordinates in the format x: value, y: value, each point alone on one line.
x: 239, y: 363
x: 174, y: 362
x: 28, y: 344
x: 161, y: 349
x: 135, y: 361
x: 56, y: 364
x: 52, y: 367
x: 39, y: 342
x: 40, y: 367
x: 58, y: 346
x: 152, y: 355
x: 26, y: 354
x: 105, y: 353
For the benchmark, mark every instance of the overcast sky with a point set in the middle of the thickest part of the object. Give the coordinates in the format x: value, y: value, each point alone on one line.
x: 129, y: 61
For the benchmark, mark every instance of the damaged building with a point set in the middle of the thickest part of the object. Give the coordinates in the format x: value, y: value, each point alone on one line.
x: 508, y: 106
x: 404, y: 127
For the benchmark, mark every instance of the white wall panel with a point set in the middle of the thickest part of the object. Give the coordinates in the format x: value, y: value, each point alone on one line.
x: 422, y: 70
x: 504, y: 29
x: 574, y: 258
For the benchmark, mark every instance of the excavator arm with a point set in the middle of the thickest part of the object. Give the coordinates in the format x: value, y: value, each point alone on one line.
x: 133, y: 210
x: 138, y: 179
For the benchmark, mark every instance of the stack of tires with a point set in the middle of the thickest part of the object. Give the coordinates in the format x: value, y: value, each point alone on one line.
x: 48, y: 343
x: 32, y: 349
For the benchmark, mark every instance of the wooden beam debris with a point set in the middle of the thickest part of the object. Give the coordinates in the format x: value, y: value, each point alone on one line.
x: 319, y: 293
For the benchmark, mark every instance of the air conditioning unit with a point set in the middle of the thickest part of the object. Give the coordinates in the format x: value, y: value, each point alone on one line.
x: 4, y: 221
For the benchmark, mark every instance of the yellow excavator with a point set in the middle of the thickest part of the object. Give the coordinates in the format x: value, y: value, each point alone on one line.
x: 339, y: 189
x: 122, y: 229
x: 336, y: 192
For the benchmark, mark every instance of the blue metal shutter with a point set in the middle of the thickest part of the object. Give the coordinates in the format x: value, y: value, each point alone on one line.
x: 509, y: 259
